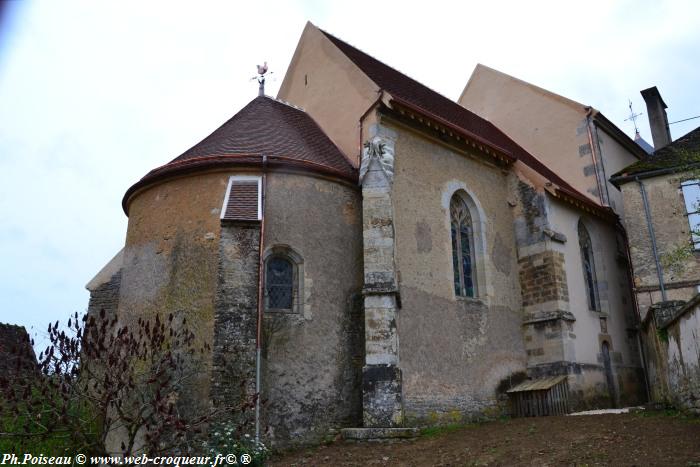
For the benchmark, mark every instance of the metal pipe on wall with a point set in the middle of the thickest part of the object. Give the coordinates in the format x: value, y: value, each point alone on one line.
x: 652, y: 236
x: 258, y: 336
x: 589, y: 112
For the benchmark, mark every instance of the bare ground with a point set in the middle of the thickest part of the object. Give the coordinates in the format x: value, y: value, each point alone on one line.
x: 635, y: 439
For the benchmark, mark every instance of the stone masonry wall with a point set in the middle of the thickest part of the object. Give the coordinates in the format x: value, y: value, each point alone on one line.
x: 673, y: 356
x: 671, y: 230
x: 235, y: 324
x: 543, y: 278
x: 313, y: 354
x: 106, y: 296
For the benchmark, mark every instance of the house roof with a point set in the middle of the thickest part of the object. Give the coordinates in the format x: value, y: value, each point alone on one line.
x: 648, y: 148
x: 285, y: 135
x: 433, y: 104
x: 680, y: 154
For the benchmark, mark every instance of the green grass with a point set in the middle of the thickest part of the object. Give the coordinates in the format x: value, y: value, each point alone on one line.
x: 434, y: 431
x: 668, y: 413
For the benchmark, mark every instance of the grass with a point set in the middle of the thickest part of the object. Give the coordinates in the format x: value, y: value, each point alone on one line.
x: 669, y: 413
x: 435, y: 431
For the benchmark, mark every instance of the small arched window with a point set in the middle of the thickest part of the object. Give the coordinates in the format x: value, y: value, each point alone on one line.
x: 463, y: 263
x: 584, y: 240
x: 279, y: 283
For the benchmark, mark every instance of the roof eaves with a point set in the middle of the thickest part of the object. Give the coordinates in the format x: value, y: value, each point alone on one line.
x: 582, y: 202
x: 238, y: 160
x: 498, y: 152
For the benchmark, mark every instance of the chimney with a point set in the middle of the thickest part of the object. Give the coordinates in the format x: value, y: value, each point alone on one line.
x: 656, y: 110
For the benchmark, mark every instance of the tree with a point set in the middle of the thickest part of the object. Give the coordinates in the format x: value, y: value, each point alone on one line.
x: 100, y: 381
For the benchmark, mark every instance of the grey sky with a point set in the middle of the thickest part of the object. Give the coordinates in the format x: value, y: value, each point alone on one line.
x: 95, y: 94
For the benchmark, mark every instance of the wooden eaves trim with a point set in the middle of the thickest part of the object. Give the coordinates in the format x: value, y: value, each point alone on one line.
x: 433, y: 122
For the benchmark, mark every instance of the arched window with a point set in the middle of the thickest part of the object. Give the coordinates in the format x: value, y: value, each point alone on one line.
x: 279, y: 283
x: 584, y: 240
x: 462, y: 248
x: 284, y: 279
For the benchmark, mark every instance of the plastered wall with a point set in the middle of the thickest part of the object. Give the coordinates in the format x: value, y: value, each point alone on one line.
x: 454, y: 352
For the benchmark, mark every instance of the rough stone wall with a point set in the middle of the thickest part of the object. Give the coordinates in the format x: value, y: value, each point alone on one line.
x: 235, y: 324
x: 170, y: 265
x: 673, y: 357
x: 455, y: 353
x: 671, y: 230
x: 312, y: 359
x: 17, y: 358
x: 543, y: 278
x: 106, y: 296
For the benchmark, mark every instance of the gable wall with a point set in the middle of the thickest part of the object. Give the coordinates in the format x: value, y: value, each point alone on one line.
x: 552, y: 128
x: 330, y: 88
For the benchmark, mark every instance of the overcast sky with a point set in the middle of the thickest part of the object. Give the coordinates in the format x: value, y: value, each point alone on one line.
x: 93, y: 94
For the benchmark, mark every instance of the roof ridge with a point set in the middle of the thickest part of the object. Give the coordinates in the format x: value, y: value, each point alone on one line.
x: 388, y: 66
x: 402, y: 86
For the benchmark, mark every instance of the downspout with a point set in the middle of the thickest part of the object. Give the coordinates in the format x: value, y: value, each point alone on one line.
x: 258, y: 337
x: 652, y: 236
x: 589, y: 112
x: 602, y: 167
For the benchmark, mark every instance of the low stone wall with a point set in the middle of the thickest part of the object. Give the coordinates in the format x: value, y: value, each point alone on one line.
x: 672, y: 347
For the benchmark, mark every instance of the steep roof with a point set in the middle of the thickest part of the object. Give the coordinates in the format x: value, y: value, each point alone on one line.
x: 648, y: 148
x: 434, y: 104
x: 286, y: 135
x: 683, y: 152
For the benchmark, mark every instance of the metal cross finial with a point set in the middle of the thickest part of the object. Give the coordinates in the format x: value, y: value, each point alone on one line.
x: 633, y: 117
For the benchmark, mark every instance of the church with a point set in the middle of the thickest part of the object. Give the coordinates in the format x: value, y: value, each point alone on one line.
x: 365, y: 253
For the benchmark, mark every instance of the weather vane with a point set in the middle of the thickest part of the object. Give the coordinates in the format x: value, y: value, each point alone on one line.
x: 262, y: 71
x: 633, y: 117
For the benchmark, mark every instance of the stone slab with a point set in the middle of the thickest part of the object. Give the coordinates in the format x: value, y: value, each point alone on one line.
x: 378, y: 433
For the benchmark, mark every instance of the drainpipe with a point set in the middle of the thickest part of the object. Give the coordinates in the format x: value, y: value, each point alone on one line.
x: 258, y: 337
x: 589, y: 122
x: 650, y: 228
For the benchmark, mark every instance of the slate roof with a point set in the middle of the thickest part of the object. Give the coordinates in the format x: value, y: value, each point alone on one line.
x: 682, y: 152
x: 641, y: 142
x: 432, y: 103
x: 286, y: 135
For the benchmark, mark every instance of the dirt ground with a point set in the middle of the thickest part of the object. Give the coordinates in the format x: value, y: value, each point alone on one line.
x: 635, y: 439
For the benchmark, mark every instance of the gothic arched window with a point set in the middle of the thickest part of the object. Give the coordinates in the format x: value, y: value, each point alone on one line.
x: 584, y: 240
x: 279, y: 283
x: 462, y: 248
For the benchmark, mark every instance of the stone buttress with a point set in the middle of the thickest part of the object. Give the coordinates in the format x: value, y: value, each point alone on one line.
x: 381, y: 375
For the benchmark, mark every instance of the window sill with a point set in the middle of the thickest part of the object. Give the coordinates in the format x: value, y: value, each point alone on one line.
x: 475, y: 300
x: 285, y: 311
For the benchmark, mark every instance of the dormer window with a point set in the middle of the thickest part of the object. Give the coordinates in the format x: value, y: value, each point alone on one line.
x: 243, y: 199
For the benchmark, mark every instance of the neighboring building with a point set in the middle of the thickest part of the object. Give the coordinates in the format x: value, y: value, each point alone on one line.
x: 417, y: 262
x: 17, y: 356
x: 661, y: 195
